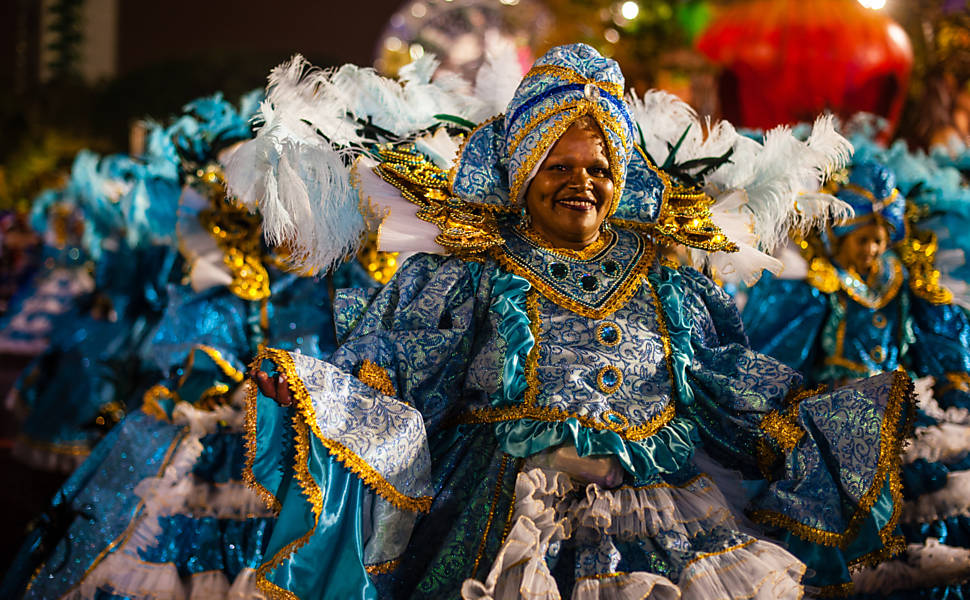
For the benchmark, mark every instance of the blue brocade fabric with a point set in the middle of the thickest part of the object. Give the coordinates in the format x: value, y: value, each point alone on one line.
x: 193, y: 524
x: 499, y: 373
x: 832, y: 338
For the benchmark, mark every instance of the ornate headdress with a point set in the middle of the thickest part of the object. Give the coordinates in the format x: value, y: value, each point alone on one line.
x: 871, y: 192
x: 565, y: 85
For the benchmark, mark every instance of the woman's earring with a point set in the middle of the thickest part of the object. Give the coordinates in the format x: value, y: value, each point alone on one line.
x: 605, y: 225
x: 525, y: 219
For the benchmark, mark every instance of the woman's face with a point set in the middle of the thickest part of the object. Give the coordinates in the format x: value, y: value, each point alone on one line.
x: 861, y: 248
x: 568, y: 198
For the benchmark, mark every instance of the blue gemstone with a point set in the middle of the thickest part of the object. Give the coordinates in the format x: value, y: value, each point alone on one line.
x: 610, y: 334
x: 611, y: 268
x: 610, y: 378
x: 589, y: 283
x: 559, y: 270
x: 614, y: 418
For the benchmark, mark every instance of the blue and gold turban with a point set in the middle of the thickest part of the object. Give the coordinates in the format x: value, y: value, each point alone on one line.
x: 871, y: 191
x: 568, y: 83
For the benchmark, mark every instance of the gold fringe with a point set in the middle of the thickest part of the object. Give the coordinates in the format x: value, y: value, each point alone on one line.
x: 887, y: 468
x: 341, y: 453
x: 252, y: 393
x: 375, y: 376
x: 384, y: 567
x: 555, y: 415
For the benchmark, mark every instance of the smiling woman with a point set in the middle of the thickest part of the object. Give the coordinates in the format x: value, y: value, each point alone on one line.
x: 568, y: 198
x: 536, y: 405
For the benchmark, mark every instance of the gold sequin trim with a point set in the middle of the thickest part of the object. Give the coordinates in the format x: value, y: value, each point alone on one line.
x: 626, y: 290
x: 384, y: 567
x: 784, y: 431
x: 838, y: 358
x: 918, y: 253
x: 701, y: 556
x: 896, y: 427
x: 837, y: 590
x: 370, y: 476
x: 532, y: 359
x: 465, y: 227
x: 491, y: 513
x: 149, y: 402
x: 585, y: 254
x: 556, y: 415
x: 567, y: 74
x: 664, y: 334
x: 375, y: 376
x: 236, y: 233
x: 602, y: 576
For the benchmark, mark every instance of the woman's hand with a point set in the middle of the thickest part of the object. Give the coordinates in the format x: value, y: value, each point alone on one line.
x: 274, y: 387
x: 603, y: 470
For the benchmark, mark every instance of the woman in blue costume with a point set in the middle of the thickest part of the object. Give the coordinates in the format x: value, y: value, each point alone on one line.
x: 49, y: 290
x: 77, y: 388
x: 541, y: 406
x: 159, y: 509
x: 863, y: 309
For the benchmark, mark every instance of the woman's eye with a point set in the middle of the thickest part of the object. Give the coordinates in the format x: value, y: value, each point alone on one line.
x: 599, y: 172
x: 557, y: 168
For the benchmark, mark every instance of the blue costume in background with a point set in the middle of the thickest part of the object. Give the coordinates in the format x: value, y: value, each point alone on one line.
x: 159, y: 509
x: 836, y: 326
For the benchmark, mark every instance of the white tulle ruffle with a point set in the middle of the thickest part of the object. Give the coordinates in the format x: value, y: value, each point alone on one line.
x: 546, y: 512
x: 176, y: 491
x: 926, y: 565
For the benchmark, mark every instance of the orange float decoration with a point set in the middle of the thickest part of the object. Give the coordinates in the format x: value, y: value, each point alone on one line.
x: 786, y: 61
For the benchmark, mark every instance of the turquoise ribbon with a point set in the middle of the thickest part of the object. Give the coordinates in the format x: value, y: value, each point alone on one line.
x: 667, y: 451
x: 509, y: 304
x: 668, y: 284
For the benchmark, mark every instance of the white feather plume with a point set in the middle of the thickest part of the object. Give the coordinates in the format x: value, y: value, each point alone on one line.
x: 498, y: 77
x: 296, y: 171
x: 779, y: 179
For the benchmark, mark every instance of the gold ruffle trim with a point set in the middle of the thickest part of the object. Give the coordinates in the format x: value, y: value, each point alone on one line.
x: 555, y: 415
x: 918, y: 253
x: 384, y: 567
x: 896, y: 427
x: 373, y: 375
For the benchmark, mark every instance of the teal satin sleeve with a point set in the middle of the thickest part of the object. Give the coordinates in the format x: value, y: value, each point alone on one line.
x: 509, y: 305
x: 315, y: 552
x: 667, y: 451
x: 669, y: 287
x: 329, y: 566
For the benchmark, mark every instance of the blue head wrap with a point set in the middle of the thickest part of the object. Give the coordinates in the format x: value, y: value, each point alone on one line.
x: 566, y: 84
x: 871, y: 191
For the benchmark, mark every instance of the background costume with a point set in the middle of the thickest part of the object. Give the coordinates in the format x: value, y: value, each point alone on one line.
x: 411, y: 463
x: 836, y: 325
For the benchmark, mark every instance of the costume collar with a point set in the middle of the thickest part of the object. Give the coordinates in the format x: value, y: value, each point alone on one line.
x: 595, y: 282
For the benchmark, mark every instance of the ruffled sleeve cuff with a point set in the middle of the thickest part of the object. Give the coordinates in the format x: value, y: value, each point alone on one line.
x: 836, y: 499
x: 360, y: 474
